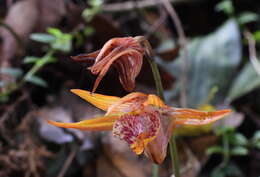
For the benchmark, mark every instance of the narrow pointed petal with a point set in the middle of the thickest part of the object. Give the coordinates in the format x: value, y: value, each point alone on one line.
x: 97, y: 124
x: 195, y: 117
x: 86, y: 58
x: 100, y: 101
x: 128, y: 103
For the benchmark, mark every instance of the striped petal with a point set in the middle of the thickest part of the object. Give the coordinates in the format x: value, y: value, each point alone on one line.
x: 129, y: 103
x: 185, y: 116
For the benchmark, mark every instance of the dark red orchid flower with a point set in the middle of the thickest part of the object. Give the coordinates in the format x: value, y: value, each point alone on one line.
x: 125, y: 54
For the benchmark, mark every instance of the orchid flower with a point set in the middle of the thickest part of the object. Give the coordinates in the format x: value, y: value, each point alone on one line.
x: 143, y: 121
x: 125, y: 54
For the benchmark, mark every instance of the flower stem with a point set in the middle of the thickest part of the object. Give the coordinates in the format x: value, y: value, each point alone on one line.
x: 155, y: 170
x: 159, y: 88
x: 157, y: 77
x: 174, y: 156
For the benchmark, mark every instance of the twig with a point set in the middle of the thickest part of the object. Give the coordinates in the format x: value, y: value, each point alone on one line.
x: 252, y: 51
x: 156, y: 24
x: 129, y: 5
x: 183, y: 43
x: 68, y: 161
x: 5, y: 116
x: 15, y: 35
x: 11, y: 109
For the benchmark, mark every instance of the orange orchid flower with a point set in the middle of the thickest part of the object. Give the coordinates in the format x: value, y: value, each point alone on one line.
x: 125, y: 54
x: 145, y: 122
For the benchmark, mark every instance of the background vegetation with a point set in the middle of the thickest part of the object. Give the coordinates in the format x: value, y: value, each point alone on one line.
x: 208, y: 61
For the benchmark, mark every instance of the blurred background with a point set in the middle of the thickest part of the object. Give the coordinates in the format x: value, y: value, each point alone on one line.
x: 208, y: 62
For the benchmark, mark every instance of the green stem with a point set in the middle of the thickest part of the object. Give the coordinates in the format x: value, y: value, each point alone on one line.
x: 36, y: 67
x: 155, y: 170
x: 159, y: 88
x: 226, y: 150
x: 157, y: 77
x: 174, y: 156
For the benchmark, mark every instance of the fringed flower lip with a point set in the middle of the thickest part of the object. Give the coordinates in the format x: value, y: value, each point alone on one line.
x: 125, y: 54
x: 143, y: 121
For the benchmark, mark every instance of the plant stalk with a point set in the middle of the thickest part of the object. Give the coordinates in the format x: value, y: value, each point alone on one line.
x: 155, y: 170
x: 157, y: 78
x: 159, y: 88
x: 174, y: 156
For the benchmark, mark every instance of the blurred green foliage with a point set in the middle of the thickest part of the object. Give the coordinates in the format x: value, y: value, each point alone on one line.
x: 95, y: 8
x: 233, y: 144
x: 57, y: 41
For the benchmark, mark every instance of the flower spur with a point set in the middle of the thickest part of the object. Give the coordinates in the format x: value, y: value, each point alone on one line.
x: 145, y: 122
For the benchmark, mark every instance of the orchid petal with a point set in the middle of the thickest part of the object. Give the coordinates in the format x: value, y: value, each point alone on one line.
x: 185, y: 116
x: 128, y: 67
x: 103, y: 65
x: 128, y: 103
x: 138, y: 130
x: 100, y: 101
x: 86, y: 58
x: 156, y: 150
x: 155, y: 100
x: 96, y: 124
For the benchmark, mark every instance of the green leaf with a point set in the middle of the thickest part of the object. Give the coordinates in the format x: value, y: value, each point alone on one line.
x: 246, y: 81
x: 256, y: 139
x: 225, y: 6
x: 247, y: 17
x: 30, y: 59
x: 88, y: 31
x: 229, y: 169
x: 63, y: 44
x: 224, y: 130
x: 233, y: 170
x: 212, y: 62
x: 257, y: 135
x: 88, y: 14
x: 37, y: 81
x: 15, y: 72
x: 215, y: 150
x: 239, y: 139
x: 95, y: 3
x: 55, y: 32
x: 257, y: 144
x: 257, y: 35
x: 43, y: 38
x: 218, y: 172
x: 239, y: 150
